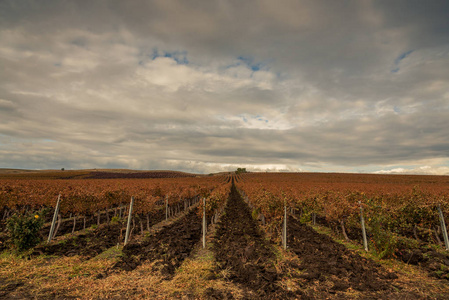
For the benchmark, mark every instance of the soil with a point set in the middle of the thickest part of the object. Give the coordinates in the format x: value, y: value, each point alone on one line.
x: 436, y: 263
x: 169, y: 247
x: 419, y: 254
x: 92, y: 243
x: 77, y: 244
x: 87, y: 244
x: 241, y: 249
x: 324, y: 260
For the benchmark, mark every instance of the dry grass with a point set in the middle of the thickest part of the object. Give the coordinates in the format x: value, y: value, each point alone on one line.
x: 72, y: 277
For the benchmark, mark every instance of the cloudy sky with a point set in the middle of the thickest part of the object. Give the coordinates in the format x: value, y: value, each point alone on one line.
x: 207, y: 86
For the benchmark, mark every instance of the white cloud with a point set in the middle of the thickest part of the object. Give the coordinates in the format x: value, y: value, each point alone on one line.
x: 423, y: 170
x: 298, y: 86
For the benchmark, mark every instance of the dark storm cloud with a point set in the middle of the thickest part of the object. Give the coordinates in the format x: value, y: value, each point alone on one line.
x: 208, y: 85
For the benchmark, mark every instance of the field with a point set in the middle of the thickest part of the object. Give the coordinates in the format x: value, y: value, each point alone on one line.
x: 244, y: 255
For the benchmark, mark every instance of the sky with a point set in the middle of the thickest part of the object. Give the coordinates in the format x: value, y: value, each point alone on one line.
x: 210, y: 86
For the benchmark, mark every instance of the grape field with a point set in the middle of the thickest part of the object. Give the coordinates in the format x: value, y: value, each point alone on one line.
x: 228, y: 236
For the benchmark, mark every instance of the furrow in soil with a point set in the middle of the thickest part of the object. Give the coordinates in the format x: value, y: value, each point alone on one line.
x: 169, y: 246
x: 93, y: 242
x: 326, y: 261
x: 241, y: 250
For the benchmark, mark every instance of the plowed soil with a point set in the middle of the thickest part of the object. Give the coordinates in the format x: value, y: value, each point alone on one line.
x: 435, y: 263
x: 241, y: 249
x: 169, y: 246
x: 92, y: 243
x: 418, y: 254
x: 332, y: 267
x: 87, y: 244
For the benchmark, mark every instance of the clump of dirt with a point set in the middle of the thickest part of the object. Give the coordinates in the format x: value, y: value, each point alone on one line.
x: 241, y: 250
x: 322, y: 259
x: 212, y: 293
x: 169, y: 246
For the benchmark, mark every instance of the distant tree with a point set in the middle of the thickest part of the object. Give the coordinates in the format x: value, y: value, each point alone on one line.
x: 240, y: 170
x: 62, y: 169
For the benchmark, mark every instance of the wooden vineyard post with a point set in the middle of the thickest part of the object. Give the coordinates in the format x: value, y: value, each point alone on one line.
x: 128, y: 226
x: 204, y: 223
x: 166, y: 208
x: 284, y: 230
x: 53, y: 222
x: 74, y: 223
x: 443, y: 227
x: 57, y: 226
x: 362, y: 220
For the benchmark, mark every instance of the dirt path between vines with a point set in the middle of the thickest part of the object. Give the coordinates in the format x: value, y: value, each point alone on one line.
x: 87, y: 244
x: 91, y: 242
x: 408, y: 249
x: 331, y: 269
x: 241, y: 249
x: 168, y: 246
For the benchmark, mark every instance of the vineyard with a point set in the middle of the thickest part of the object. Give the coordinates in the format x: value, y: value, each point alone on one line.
x: 228, y: 236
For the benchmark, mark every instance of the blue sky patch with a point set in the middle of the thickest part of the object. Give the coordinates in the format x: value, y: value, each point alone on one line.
x: 249, y: 62
x: 402, y: 56
x: 399, y: 59
x: 179, y: 56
